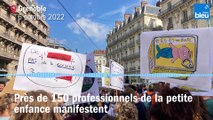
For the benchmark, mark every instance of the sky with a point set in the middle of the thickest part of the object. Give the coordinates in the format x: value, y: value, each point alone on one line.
x: 96, y: 17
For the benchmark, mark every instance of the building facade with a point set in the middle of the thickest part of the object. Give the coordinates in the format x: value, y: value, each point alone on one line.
x: 100, y: 59
x: 15, y: 31
x: 179, y: 14
x: 56, y: 45
x: 123, y: 42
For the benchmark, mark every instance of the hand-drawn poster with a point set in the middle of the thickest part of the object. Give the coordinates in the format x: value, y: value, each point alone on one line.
x: 38, y: 59
x: 185, y: 51
x: 105, y: 80
x: 116, y: 82
x: 90, y: 84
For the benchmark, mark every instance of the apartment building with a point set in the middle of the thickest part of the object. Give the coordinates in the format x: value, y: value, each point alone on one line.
x: 179, y: 14
x: 56, y: 45
x: 123, y: 42
x: 14, y: 32
x: 100, y: 59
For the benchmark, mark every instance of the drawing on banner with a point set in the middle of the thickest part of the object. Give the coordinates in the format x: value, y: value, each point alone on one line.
x: 90, y: 84
x: 39, y: 59
x: 88, y: 81
x: 116, y: 82
x: 173, y: 54
x: 105, y: 80
x: 187, y: 51
x: 63, y: 63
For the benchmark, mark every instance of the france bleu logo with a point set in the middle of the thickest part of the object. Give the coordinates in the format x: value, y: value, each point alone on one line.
x: 201, y: 11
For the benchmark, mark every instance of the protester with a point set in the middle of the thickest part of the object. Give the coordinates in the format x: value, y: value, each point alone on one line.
x: 142, y: 111
x: 194, y: 110
x: 38, y: 116
x: 108, y: 117
x: 2, y: 85
x: 126, y: 111
x: 6, y: 106
x: 135, y: 90
x: 150, y: 93
x: 208, y: 101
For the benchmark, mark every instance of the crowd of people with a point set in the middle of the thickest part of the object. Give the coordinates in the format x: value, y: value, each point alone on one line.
x: 201, y: 108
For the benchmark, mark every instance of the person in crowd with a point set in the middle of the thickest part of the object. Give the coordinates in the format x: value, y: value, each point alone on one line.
x: 2, y: 85
x: 135, y: 90
x: 194, y: 110
x: 144, y: 89
x: 126, y: 111
x: 38, y: 116
x: 208, y: 101
x: 139, y: 90
x: 108, y: 117
x: 142, y: 111
x: 7, y: 105
x: 150, y: 93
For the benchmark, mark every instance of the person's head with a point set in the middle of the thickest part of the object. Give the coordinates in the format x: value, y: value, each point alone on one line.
x: 134, y: 88
x: 194, y: 110
x: 2, y: 85
x: 7, y: 104
x: 126, y: 111
x: 38, y: 116
x: 107, y: 117
x: 151, y: 88
x: 128, y: 91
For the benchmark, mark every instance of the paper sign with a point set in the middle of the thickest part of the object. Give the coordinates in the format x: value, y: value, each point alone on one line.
x: 116, y: 82
x: 90, y: 85
x: 38, y: 59
x: 185, y: 51
x: 105, y: 80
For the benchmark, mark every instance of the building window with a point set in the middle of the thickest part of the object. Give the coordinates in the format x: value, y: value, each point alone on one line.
x: 169, y: 4
x: 194, y: 25
x: 192, y: 10
x: 170, y: 23
x: 185, y: 15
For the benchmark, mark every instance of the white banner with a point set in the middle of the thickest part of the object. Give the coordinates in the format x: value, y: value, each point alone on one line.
x: 38, y: 59
x: 105, y: 80
x: 90, y: 85
x: 187, y: 51
x: 116, y: 82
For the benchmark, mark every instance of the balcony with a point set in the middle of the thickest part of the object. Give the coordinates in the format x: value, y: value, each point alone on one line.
x: 7, y: 18
x: 138, y: 41
x: 24, y: 2
x: 8, y: 2
x: 187, y: 19
x: 20, y: 27
x: 132, y: 68
x: 132, y: 56
x: 120, y: 49
x: 5, y: 35
x: 124, y: 58
x: 131, y: 44
x: 34, y: 24
x: 8, y: 55
x: 129, y: 33
x: 173, y: 7
x: 125, y: 46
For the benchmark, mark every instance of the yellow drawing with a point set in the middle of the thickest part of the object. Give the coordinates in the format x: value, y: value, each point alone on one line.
x: 173, y: 54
